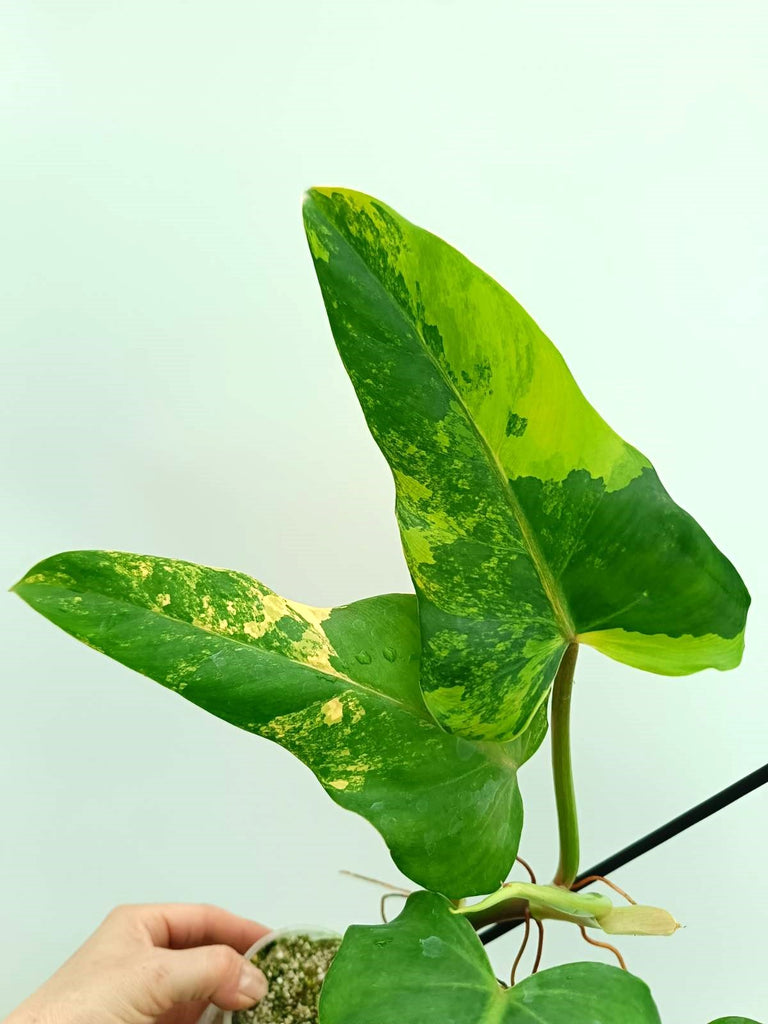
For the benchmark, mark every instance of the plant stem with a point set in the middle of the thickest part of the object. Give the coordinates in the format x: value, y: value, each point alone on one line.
x: 562, y: 773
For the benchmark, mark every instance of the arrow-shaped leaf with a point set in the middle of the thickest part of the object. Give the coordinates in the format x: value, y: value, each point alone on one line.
x: 526, y: 521
x: 337, y: 687
x: 429, y: 967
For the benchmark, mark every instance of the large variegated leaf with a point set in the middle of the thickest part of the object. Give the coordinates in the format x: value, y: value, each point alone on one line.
x: 526, y: 521
x: 429, y: 967
x: 337, y: 687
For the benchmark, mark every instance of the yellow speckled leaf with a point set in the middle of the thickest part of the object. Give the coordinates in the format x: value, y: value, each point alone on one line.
x: 527, y: 523
x: 337, y: 687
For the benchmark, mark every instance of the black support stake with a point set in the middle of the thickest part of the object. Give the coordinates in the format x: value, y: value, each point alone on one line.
x: 653, y: 839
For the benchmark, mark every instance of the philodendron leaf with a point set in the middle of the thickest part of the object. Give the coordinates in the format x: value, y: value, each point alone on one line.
x: 337, y: 687
x: 735, y: 1020
x: 429, y: 967
x: 526, y: 521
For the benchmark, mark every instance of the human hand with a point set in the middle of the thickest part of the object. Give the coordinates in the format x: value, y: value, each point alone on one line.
x: 152, y: 964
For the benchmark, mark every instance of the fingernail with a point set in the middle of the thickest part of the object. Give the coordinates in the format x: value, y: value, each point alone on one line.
x: 253, y: 984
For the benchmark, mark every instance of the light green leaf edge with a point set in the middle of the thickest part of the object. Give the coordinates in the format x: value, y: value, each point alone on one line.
x: 338, y: 687
x: 428, y: 966
x: 527, y: 523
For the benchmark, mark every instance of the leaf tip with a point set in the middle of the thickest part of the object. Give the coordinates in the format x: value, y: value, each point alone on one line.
x: 317, y: 193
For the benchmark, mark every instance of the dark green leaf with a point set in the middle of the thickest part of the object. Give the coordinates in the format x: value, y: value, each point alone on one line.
x: 429, y: 967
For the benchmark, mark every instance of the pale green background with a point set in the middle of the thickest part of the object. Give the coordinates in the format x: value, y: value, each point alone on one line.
x: 171, y: 386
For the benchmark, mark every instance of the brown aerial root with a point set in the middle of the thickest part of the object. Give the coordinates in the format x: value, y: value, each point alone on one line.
x: 527, y: 867
x: 611, y: 885
x: 376, y: 881
x: 539, y: 928
x: 523, y: 944
x: 603, y: 945
x: 383, y: 902
x: 539, y: 947
x: 395, y: 890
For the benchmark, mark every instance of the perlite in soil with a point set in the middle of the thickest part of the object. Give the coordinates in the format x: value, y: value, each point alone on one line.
x: 295, y: 968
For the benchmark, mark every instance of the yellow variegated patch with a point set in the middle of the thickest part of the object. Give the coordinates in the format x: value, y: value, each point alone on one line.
x: 337, y: 687
x: 527, y: 523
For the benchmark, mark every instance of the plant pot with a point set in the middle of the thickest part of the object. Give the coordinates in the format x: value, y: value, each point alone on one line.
x: 213, y: 1015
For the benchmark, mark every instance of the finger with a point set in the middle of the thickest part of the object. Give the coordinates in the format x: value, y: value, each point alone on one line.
x: 217, y: 974
x: 182, y: 925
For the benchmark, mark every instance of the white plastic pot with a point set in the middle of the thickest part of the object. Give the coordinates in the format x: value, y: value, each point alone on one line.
x: 213, y: 1015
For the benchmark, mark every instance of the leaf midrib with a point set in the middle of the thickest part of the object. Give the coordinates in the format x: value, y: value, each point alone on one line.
x: 543, y: 571
x: 546, y: 576
x: 253, y: 648
x: 493, y: 752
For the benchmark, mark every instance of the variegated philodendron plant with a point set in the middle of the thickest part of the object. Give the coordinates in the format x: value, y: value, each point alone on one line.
x: 529, y: 528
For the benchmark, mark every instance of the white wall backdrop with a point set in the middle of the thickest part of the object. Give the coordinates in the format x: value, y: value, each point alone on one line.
x: 170, y: 386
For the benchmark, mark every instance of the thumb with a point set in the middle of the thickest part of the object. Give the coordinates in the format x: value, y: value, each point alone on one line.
x: 217, y: 973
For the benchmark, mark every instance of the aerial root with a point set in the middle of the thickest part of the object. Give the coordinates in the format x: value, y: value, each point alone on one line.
x: 523, y: 944
x: 600, y: 878
x: 539, y: 946
x: 394, y: 890
x: 383, y: 903
x: 611, y: 885
x: 527, y: 932
x: 603, y: 945
x: 376, y: 881
x: 527, y: 867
